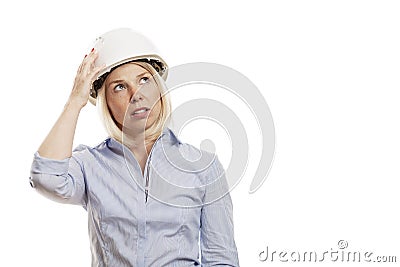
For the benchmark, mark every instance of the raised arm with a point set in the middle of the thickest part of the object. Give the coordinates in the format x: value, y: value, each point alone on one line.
x: 58, y: 143
x: 55, y: 172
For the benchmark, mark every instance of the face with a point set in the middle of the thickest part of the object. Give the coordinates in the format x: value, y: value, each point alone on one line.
x: 133, y: 97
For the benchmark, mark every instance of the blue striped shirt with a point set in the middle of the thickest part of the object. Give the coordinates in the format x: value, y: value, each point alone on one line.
x: 177, y: 213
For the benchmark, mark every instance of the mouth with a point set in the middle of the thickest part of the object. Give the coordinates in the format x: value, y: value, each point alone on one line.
x: 140, y: 112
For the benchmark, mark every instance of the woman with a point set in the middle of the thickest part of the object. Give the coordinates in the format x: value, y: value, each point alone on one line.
x: 151, y: 199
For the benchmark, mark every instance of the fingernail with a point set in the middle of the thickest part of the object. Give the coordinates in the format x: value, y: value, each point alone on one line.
x: 92, y: 49
x: 85, y: 56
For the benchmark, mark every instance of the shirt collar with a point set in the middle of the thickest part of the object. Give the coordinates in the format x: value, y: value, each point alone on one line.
x: 167, y: 135
x: 172, y: 137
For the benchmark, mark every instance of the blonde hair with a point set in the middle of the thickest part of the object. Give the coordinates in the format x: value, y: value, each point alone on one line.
x: 155, y: 130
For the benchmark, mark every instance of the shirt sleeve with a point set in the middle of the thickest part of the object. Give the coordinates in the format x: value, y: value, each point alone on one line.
x: 217, y: 242
x: 59, y: 180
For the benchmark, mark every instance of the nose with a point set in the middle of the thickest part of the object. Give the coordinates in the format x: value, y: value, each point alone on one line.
x: 135, y: 97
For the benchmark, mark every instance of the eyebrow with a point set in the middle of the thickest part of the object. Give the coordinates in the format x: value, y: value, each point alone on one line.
x: 119, y: 81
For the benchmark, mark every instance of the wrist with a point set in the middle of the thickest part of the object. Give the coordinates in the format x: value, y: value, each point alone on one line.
x: 75, y: 104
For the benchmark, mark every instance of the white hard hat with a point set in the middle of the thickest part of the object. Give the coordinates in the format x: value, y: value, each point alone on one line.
x: 120, y: 46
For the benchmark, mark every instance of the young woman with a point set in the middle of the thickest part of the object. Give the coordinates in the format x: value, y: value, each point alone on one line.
x: 151, y: 199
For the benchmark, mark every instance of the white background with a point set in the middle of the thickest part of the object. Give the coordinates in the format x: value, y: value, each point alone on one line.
x: 329, y: 71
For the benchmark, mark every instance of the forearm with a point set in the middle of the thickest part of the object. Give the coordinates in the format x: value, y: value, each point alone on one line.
x: 58, y: 143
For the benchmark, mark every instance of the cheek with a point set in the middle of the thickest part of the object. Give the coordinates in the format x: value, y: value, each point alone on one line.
x: 156, y: 109
x: 155, y: 112
x: 117, y: 106
x: 156, y: 103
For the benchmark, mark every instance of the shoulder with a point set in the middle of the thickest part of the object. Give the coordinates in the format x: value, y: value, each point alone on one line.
x: 82, y: 151
x: 185, y: 154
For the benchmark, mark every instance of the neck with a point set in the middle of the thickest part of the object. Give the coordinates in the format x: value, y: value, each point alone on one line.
x: 139, y: 147
x: 137, y: 143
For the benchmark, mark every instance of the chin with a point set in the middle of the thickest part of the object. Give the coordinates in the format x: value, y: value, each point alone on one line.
x: 136, y: 126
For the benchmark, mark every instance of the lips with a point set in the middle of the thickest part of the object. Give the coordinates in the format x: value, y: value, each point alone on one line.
x: 140, y: 110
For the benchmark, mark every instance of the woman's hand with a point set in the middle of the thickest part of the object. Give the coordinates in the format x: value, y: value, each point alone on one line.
x: 86, y: 75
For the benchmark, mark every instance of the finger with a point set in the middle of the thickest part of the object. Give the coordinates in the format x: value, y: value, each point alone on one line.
x: 92, y: 55
x: 89, y: 62
x: 97, y: 70
x: 89, y: 57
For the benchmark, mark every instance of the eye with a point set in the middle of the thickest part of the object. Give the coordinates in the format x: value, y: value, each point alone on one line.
x: 144, y: 80
x: 119, y: 87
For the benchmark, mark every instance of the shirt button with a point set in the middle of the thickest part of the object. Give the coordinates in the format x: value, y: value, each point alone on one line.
x: 31, y: 182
